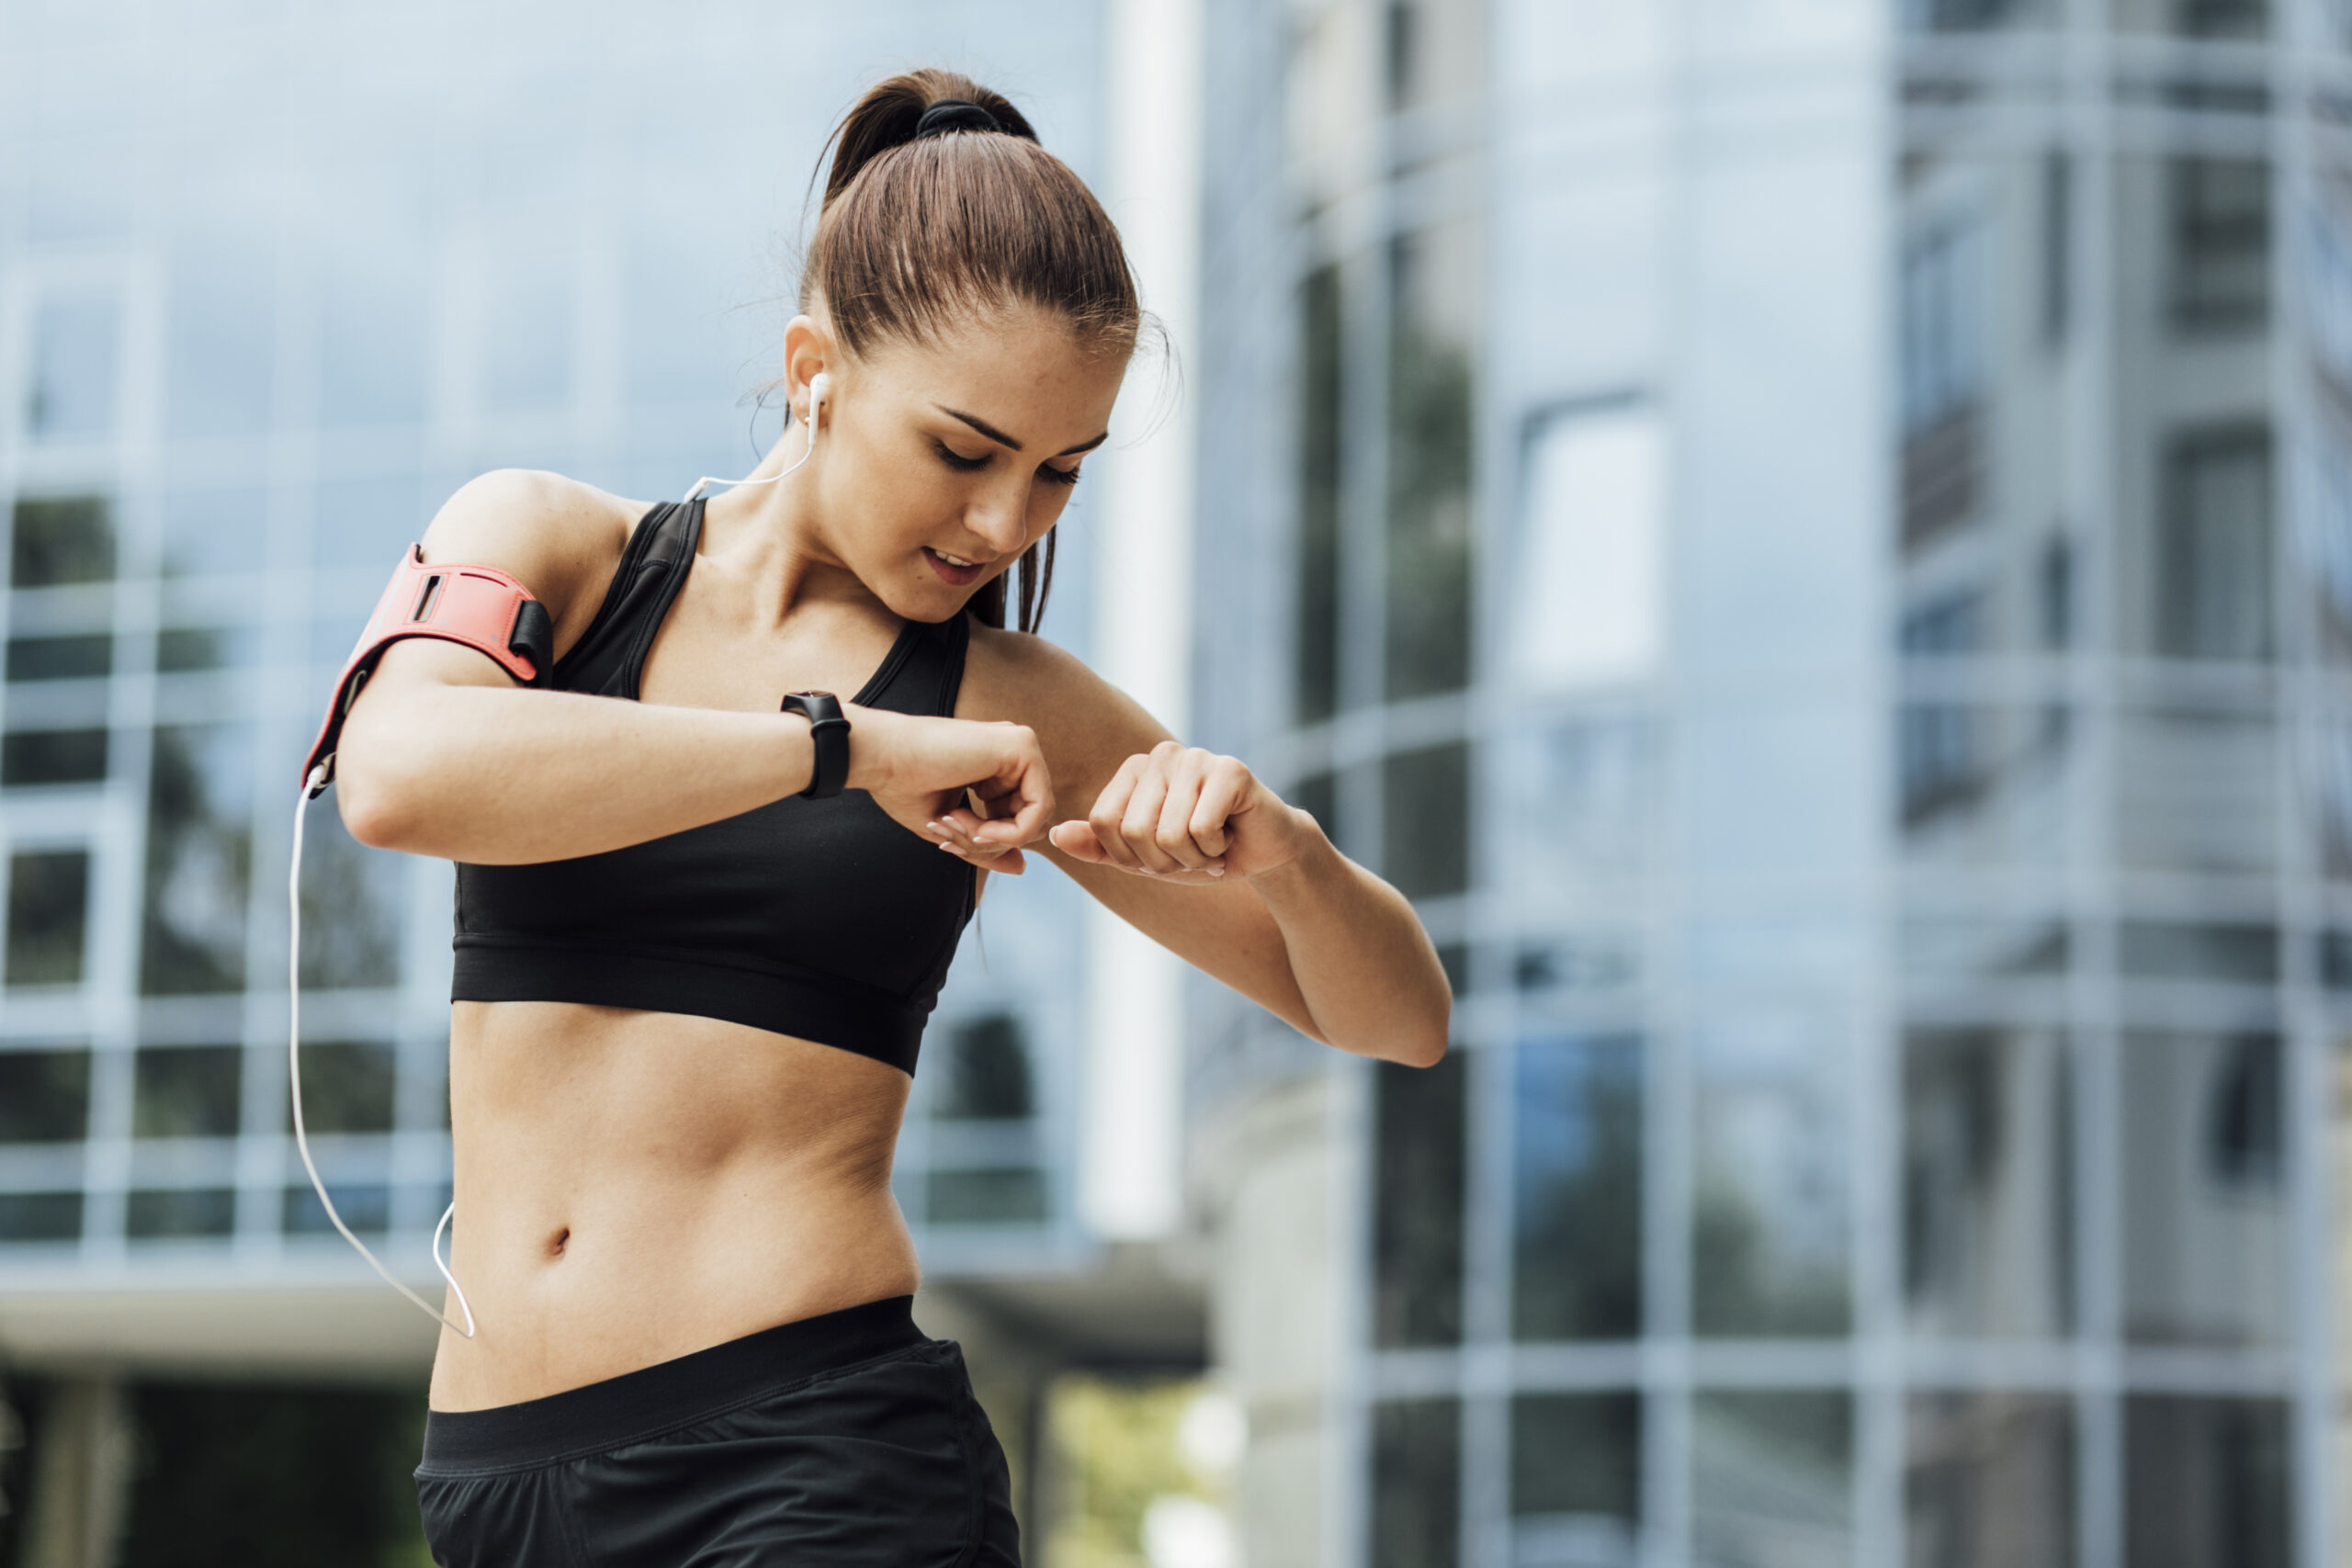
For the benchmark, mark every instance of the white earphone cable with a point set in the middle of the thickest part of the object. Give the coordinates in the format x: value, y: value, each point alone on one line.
x: 311, y: 786
x: 816, y: 396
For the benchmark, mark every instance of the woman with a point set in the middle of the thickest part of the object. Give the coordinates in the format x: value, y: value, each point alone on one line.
x: 687, y: 1000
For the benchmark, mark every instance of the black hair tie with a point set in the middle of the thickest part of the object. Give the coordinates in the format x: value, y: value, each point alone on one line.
x: 954, y: 114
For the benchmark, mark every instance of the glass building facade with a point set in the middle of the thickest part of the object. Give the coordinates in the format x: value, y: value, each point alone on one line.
x: 273, y: 283
x: 1811, y: 538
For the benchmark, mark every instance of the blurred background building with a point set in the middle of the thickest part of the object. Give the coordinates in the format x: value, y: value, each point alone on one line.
x: 1813, y: 536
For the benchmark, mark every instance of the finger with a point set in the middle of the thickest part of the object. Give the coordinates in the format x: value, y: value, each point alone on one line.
x: 1173, y: 831
x: 1139, y: 824
x: 1110, y: 809
x: 1077, y: 840
x: 1224, y: 793
x: 1027, y: 795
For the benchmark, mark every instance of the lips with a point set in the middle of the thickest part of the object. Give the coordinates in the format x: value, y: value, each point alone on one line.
x: 958, y: 576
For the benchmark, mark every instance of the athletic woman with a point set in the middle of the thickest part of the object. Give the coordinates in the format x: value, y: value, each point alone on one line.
x: 691, y: 979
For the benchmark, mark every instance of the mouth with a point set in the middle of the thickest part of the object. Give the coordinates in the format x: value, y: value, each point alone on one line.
x: 953, y: 569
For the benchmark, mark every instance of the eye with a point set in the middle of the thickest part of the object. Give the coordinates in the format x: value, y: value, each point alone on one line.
x: 957, y: 461
x: 1051, y: 475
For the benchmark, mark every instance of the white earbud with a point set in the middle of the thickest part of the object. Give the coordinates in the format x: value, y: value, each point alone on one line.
x: 820, y: 387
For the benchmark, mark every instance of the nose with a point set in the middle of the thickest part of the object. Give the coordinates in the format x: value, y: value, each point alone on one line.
x: 1001, y: 523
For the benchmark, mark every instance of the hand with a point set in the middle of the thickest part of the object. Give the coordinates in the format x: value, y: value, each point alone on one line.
x: 1186, y: 815
x: 978, y: 791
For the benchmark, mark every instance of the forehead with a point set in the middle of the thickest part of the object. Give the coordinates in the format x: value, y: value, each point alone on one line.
x: 1022, y: 370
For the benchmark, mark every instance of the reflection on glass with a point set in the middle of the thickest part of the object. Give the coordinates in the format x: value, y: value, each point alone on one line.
x: 1015, y: 1195
x: 986, y: 1075
x: 1581, y: 802
x: 1578, y: 1246
x: 1589, y: 603
x: 40, y: 1216
x: 353, y: 901
x: 1771, y: 1220
x: 1417, y: 1202
x: 369, y: 521
x: 2213, y: 569
x: 2197, y: 790
x: 221, y: 352
x: 346, y: 1087
x: 2205, y: 1483
x: 1973, y: 15
x: 1434, y: 274
x: 53, y: 757
x: 375, y: 334
x: 212, y: 531
x: 44, y: 1096
x: 186, y: 1092
x: 1944, y: 332
x: 1989, y: 1481
x: 199, y: 835
x: 2163, y: 950
x: 365, y: 1207
x: 1416, y: 1484
x: 1321, y: 464
x: 180, y: 649
x: 528, y: 333
x: 1425, y: 821
x: 84, y: 658
x: 1576, y: 1479
x: 1987, y: 1189
x: 49, y: 917
x: 71, y: 392
x: 1769, y: 1479
x: 1978, y: 781
x: 2220, y: 232
x: 1966, y: 949
x: 1589, y: 963
x: 2203, y: 1183
x: 57, y: 539
x: 180, y: 1212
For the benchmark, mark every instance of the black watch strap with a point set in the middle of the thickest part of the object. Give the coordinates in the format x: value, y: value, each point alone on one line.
x: 829, y: 733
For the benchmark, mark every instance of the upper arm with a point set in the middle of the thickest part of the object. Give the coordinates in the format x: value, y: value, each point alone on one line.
x: 559, y: 538
x: 1088, y: 728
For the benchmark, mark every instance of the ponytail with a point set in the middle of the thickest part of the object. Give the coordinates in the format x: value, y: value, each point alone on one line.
x: 939, y: 206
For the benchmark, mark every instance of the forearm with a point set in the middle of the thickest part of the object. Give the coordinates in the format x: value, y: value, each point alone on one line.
x: 1362, y: 963
x: 509, y: 776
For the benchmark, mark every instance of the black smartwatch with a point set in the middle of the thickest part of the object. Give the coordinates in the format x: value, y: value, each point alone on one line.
x: 829, y: 733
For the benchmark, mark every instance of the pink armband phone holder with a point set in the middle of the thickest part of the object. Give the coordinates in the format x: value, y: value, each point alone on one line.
x: 476, y: 606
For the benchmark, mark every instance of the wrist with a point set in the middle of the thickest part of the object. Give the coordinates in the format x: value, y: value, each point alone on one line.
x: 873, y: 733
x: 1307, y: 855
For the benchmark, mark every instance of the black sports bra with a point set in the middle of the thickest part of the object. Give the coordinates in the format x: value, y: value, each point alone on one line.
x: 819, y: 919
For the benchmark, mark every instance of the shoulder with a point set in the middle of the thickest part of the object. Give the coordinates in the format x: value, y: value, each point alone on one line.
x: 560, y: 537
x: 1085, y: 724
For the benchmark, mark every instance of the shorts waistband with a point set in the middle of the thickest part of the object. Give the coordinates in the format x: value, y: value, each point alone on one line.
x: 605, y: 1414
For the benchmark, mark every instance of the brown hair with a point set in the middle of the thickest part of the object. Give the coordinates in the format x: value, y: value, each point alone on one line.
x: 917, y: 236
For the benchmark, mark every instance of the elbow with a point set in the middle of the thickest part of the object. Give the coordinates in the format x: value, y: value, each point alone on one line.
x: 1427, y: 1050
x: 372, y: 814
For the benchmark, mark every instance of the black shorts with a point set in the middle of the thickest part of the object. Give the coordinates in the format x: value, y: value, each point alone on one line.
x: 846, y: 1440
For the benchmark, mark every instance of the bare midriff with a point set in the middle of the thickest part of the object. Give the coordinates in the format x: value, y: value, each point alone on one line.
x: 632, y: 1187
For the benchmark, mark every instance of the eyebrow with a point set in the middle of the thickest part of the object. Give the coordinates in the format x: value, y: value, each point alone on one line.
x: 1000, y: 438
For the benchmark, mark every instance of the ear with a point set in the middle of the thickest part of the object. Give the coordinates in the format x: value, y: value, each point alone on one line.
x: 809, y: 351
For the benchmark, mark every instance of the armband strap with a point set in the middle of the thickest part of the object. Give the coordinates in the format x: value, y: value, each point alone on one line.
x: 476, y: 606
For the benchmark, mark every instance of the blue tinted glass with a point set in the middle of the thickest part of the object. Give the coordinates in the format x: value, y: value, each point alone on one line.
x: 375, y: 335
x: 208, y: 531
x: 75, y: 352
x: 1578, y: 1189
x: 223, y: 325
x: 199, y: 836
x: 527, y: 334
x: 369, y: 521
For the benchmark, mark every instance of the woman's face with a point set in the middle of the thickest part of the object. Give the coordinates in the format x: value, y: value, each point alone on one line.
x: 938, y: 464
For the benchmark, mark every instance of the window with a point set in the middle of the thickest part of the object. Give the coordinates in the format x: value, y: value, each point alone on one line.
x: 60, y: 657
x: 1577, y: 1273
x: 346, y: 1087
x: 2220, y: 243
x: 1989, y: 1479
x: 53, y: 757
x: 1575, y: 1478
x: 1943, y: 379
x: 48, y: 909
x: 59, y: 540
x: 1425, y: 821
x: 1320, y: 468
x: 1433, y: 278
x: 2213, y: 567
x: 44, y: 1096
x: 187, y: 1092
x: 1418, y: 1188
x: 220, y: 358
x: 72, y: 395
x: 1589, y: 607
x: 1416, y: 1484
x: 2205, y: 1482
x: 198, y: 839
x: 987, y: 1072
